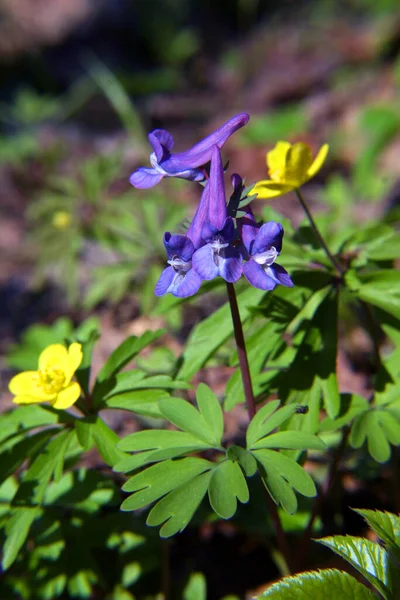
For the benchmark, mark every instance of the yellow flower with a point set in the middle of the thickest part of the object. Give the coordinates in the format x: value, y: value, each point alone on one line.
x: 52, y: 381
x: 289, y: 166
x: 62, y: 219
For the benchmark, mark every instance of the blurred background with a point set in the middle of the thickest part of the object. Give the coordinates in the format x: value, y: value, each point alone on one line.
x: 83, y: 81
x: 81, y: 84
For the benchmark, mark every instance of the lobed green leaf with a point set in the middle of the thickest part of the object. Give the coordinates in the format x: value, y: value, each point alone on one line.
x: 226, y: 484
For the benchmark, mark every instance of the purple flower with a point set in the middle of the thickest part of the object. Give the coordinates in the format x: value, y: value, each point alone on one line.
x: 179, y: 278
x: 182, y: 164
x: 218, y: 256
x: 262, y: 246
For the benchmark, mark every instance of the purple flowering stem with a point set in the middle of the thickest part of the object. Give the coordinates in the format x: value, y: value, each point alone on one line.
x: 339, y: 268
x: 251, y: 410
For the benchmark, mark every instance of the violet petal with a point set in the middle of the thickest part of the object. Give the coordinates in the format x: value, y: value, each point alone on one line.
x: 257, y: 277
x: 178, y: 245
x: 203, y: 262
x: 186, y: 285
x: 230, y: 267
x: 279, y: 274
x: 145, y: 177
x: 269, y: 234
x: 165, y: 280
x: 162, y: 142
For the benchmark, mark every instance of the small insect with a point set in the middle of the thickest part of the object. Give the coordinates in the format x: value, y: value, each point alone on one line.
x: 302, y: 410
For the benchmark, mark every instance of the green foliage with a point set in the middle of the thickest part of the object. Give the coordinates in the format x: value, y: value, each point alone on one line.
x: 279, y: 124
x: 377, y: 564
x: 74, y: 216
x: 179, y: 483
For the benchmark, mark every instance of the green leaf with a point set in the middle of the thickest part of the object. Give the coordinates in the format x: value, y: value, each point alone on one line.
x: 264, y: 421
x: 212, y: 332
x: 84, y: 432
x: 255, y: 427
x: 157, y: 439
x: 314, y: 363
x: 36, y: 478
x: 141, y: 402
x: 127, y: 352
x: 226, y: 484
x: 196, y: 587
x: 291, y: 440
x: 135, y: 379
x: 161, y: 478
x: 17, y: 530
x: 21, y: 448
x: 351, y: 405
x: 24, y: 418
x: 280, y: 475
x: 211, y: 411
x: 367, y: 557
x: 244, y: 458
x: 388, y: 248
x: 177, y: 508
x: 380, y: 427
x: 327, y: 583
x: 154, y: 445
x: 185, y: 416
x: 106, y: 441
x: 31, y: 492
x: 382, y: 289
x: 386, y: 525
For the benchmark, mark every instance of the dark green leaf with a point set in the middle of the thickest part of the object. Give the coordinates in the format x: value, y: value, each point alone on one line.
x: 386, y: 525
x: 126, y: 352
x: 351, y: 405
x: 292, y: 440
x: 212, y: 332
x: 17, y: 530
x: 280, y: 474
x: 185, y: 416
x: 226, y: 484
x: 264, y: 422
x: 327, y: 583
x: 106, y: 441
x: 177, y: 508
x: 367, y: 557
x: 141, y: 402
x: 211, y: 411
x: 161, y: 478
x: 83, y: 429
x: 244, y: 458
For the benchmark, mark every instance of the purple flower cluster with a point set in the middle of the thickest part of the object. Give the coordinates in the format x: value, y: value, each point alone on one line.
x: 215, y: 244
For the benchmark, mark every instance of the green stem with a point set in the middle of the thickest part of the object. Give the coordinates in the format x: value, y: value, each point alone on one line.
x: 372, y: 327
x: 251, y: 410
x: 339, y: 268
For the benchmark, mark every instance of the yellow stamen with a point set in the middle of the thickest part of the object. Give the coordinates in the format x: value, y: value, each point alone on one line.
x: 51, y: 380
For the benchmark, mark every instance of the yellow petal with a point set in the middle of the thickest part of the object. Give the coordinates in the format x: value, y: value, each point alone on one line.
x: 26, y: 400
x: 75, y: 356
x: 298, y: 162
x: 318, y: 162
x: 26, y: 384
x: 270, y: 189
x: 54, y: 356
x: 276, y: 160
x: 67, y: 397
